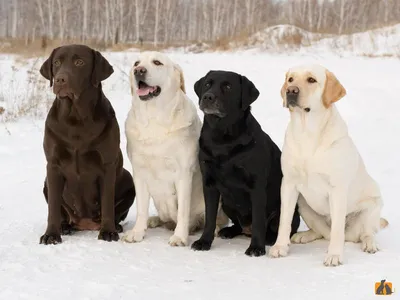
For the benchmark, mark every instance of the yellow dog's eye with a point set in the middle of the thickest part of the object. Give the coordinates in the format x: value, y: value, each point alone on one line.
x: 290, y: 79
x: 311, y: 80
x: 79, y: 62
x: 57, y: 63
x: 136, y: 63
x: 157, y: 63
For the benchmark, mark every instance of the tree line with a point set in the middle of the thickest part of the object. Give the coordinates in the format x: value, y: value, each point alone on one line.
x: 169, y: 22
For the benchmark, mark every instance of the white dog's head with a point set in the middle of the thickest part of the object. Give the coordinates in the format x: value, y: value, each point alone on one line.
x: 310, y: 88
x: 154, y: 74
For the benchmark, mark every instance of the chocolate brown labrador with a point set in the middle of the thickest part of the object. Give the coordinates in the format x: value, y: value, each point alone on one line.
x: 86, y: 187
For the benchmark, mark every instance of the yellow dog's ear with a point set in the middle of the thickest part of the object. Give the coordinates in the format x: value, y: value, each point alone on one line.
x: 333, y: 90
x: 131, y: 80
x: 283, y: 90
x: 181, y: 78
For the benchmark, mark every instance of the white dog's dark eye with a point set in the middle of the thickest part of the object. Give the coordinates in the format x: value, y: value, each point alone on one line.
x: 136, y: 63
x: 157, y: 63
x: 57, y: 63
x: 290, y: 79
x: 311, y: 80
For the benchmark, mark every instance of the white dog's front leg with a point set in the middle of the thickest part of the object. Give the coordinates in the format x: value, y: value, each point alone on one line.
x: 184, y: 193
x: 338, y: 207
x: 289, y: 196
x: 142, y: 203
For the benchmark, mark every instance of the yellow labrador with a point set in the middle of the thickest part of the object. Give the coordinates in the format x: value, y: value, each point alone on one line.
x: 323, y: 170
x: 162, y: 130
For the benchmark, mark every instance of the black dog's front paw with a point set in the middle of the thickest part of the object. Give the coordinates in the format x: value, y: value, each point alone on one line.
x: 255, y: 251
x: 50, y: 239
x: 201, y: 245
x: 229, y: 232
x: 66, y: 229
x: 108, y: 236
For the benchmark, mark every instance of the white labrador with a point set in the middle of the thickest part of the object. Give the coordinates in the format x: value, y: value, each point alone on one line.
x: 323, y: 170
x: 162, y: 130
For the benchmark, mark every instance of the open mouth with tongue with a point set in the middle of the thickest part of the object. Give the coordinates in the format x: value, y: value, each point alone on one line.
x: 146, y: 92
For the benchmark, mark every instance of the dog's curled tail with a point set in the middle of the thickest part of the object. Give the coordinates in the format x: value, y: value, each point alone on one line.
x: 384, y: 223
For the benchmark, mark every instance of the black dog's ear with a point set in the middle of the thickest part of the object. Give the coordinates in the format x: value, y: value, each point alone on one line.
x: 249, y: 93
x: 199, y: 84
x: 101, y: 68
x: 46, y: 70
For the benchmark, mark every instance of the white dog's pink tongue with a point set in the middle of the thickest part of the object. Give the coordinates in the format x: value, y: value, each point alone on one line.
x: 144, y: 91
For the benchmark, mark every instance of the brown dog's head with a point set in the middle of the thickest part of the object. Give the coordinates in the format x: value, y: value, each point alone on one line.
x: 74, y: 69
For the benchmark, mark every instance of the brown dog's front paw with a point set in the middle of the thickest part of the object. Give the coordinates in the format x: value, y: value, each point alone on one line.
x: 50, y: 239
x: 108, y: 236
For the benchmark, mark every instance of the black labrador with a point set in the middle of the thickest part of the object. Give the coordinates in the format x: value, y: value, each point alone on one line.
x: 240, y: 164
x: 86, y: 187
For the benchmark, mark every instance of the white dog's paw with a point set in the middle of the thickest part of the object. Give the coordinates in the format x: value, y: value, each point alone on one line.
x: 305, y: 237
x: 333, y: 260
x: 369, y: 245
x: 154, y: 222
x: 278, y: 251
x: 178, y: 241
x: 134, y: 236
x: 217, y: 229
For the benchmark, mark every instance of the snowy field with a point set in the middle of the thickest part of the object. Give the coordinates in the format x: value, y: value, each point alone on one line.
x: 84, y: 268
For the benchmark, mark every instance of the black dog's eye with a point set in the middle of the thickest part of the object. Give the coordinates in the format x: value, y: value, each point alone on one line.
x: 207, y: 85
x: 227, y: 86
x: 136, y: 63
x: 57, y: 63
x: 79, y: 62
x: 157, y: 63
x: 311, y: 80
x: 290, y: 79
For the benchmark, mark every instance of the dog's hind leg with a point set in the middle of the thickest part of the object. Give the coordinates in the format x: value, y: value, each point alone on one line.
x: 154, y: 222
x: 363, y: 227
x: 318, y: 228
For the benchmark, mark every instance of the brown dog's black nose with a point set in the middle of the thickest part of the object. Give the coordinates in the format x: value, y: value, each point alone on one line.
x: 139, y: 71
x: 208, y: 97
x: 61, y: 79
x: 293, y: 91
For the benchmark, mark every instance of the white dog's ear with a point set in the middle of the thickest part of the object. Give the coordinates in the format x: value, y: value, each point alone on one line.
x: 283, y: 90
x: 131, y: 78
x: 181, y: 78
x: 333, y: 90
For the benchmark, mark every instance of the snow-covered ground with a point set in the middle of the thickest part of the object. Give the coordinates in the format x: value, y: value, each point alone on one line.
x: 84, y: 268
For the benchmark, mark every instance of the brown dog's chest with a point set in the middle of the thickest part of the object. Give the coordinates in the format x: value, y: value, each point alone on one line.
x: 79, y: 164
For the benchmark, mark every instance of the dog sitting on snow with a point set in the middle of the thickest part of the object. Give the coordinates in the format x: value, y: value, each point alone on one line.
x: 162, y: 130
x: 323, y: 170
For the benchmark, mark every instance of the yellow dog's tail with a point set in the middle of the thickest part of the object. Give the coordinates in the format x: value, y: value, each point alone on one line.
x: 384, y: 223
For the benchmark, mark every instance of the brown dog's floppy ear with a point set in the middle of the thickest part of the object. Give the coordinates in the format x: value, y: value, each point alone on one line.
x: 333, y: 90
x: 46, y: 70
x: 181, y: 78
x: 283, y: 90
x: 249, y: 93
x: 101, y: 68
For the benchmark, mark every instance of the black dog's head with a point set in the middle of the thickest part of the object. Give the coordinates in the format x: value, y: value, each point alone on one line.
x: 223, y: 93
x: 74, y: 69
